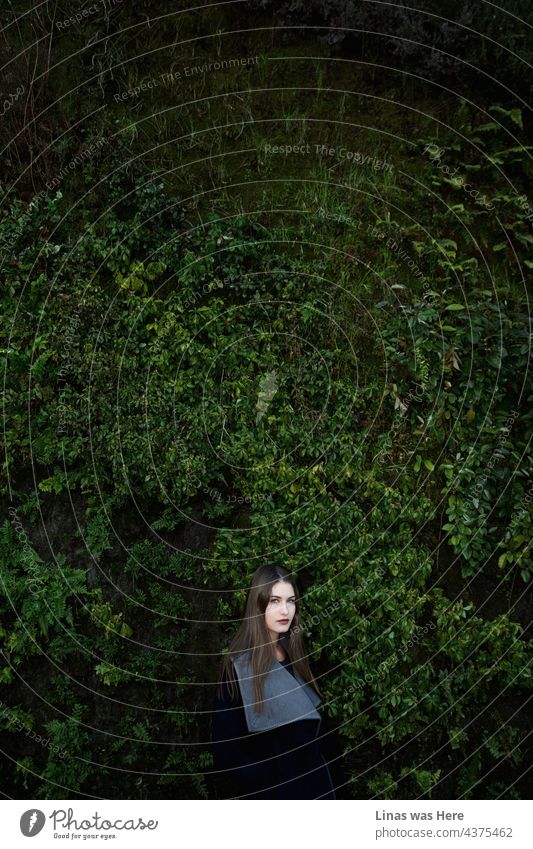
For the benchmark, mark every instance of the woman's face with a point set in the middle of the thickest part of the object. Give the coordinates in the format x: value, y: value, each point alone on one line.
x: 281, y: 608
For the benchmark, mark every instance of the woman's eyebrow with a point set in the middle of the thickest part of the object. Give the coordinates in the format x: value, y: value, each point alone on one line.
x: 277, y: 596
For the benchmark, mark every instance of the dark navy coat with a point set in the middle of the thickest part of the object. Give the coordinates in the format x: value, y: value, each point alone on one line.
x: 281, y: 763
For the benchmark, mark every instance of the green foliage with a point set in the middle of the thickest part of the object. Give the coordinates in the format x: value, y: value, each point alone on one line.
x: 38, y: 597
x: 476, y: 423
x: 239, y: 377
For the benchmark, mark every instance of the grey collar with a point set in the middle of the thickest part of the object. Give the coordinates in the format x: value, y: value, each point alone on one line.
x: 285, y: 699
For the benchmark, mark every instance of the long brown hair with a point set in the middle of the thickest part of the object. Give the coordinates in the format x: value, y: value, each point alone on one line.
x: 253, y: 634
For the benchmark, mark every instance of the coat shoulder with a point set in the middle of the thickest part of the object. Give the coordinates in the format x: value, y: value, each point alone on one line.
x: 242, y: 657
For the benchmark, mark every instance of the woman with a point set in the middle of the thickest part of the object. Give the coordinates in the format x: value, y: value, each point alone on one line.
x: 265, y: 727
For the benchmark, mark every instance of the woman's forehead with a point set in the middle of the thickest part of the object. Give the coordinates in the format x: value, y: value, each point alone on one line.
x: 282, y: 589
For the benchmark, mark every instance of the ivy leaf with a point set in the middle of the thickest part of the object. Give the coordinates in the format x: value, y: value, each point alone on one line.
x: 514, y: 114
